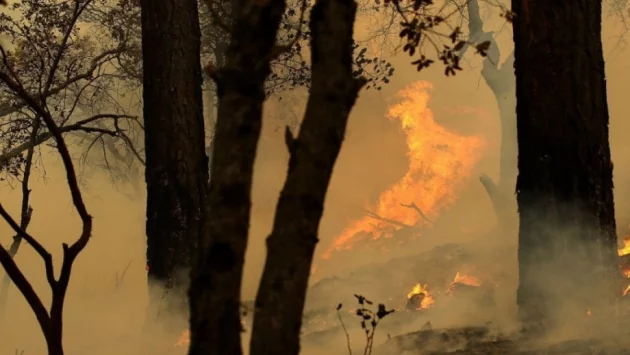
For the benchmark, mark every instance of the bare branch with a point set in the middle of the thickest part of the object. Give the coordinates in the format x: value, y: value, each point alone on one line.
x: 51, y: 322
x: 387, y: 220
x: 73, y: 183
x: 78, y: 126
x: 78, y: 9
x: 25, y: 218
x: 415, y: 207
x: 7, y: 109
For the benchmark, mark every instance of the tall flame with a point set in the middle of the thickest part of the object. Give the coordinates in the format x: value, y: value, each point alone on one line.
x: 440, y: 161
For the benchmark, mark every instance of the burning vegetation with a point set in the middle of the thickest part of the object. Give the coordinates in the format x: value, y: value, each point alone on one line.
x: 440, y: 162
x: 419, y: 298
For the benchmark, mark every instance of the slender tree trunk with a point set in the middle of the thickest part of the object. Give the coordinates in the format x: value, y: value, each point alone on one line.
x: 502, y: 82
x: 176, y: 165
x: 567, y: 239
x: 291, y: 245
x: 216, y: 277
x: 500, y: 79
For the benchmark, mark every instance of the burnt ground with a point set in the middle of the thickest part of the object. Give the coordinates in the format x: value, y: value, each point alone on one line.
x: 478, y: 340
x: 406, y: 332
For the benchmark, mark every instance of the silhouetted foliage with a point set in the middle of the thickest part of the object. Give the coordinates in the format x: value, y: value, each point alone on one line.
x: 369, y: 320
x: 73, y: 73
x: 50, y: 318
x: 426, y: 26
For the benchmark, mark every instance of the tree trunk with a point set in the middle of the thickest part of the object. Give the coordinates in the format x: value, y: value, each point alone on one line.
x: 500, y: 79
x: 567, y: 239
x: 216, y: 277
x: 291, y: 245
x: 176, y: 165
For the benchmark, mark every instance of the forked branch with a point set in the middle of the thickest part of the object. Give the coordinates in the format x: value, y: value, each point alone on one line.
x: 51, y: 322
x: 26, y: 214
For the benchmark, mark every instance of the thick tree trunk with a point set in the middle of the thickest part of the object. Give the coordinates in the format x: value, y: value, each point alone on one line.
x: 176, y: 165
x: 567, y: 239
x: 216, y: 277
x: 290, y: 247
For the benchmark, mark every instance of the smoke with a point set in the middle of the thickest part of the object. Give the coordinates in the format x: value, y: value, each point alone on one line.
x: 107, y: 301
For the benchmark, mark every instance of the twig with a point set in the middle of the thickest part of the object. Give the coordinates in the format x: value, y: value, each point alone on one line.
x: 26, y: 214
x: 415, y: 207
x: 345, y: 330
x: 8, y: 108
x: 279, y: 50
x: 387, y: 220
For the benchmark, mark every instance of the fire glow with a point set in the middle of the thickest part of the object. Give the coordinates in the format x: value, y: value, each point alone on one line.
x: 464, y: 279
x: 440, y: 161
x: 420, y: 297
x: 626, y: 271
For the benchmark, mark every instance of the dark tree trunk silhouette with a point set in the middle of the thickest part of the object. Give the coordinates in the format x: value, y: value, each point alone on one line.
x: 216, y: 278
x: 291, y: 245
x: 567, y: 238
x: 176, y: 165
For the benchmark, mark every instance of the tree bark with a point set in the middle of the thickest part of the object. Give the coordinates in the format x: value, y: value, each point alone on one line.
x: 291, y: 245
x: 176, y: 165
x: 216, y: 277
x: 567, y: 238
x: 500, y: 79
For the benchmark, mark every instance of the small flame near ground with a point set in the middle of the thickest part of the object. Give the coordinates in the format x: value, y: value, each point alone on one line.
x: 420, y: 293
x: 463, y: 279
x: 420, y: 290
x: 626, y: 247
x: 466, y: 280
x: 625, y: 251
x: 440, y: 161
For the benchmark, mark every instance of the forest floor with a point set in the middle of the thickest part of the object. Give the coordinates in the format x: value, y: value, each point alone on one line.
x: 476, y: 341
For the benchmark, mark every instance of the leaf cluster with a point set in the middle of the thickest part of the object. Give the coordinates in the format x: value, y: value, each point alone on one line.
x: 425, y: 25
x: 74, y: 75
x: 290, y: 71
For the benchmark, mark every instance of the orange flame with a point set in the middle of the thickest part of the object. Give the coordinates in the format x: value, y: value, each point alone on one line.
x: 440, y: 161
x: 625, y: 251
x: 419, y: 289
x: 466, y: 280
x: 626, y: 247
